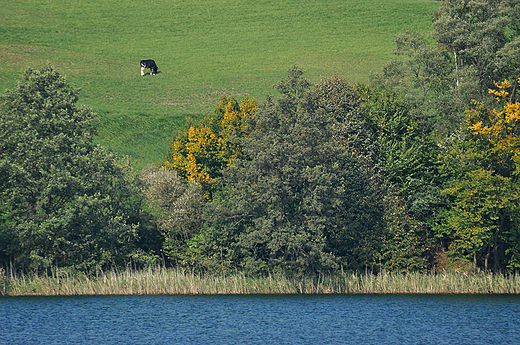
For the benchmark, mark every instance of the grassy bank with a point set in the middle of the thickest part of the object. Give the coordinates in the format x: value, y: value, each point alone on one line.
x: 204, y: 49
x: 172, y: 282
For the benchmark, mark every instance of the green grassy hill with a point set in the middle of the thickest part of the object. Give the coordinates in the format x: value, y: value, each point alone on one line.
x: 204, y: 49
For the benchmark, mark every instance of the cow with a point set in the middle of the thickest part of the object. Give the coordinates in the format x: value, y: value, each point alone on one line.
x: 149, y: 64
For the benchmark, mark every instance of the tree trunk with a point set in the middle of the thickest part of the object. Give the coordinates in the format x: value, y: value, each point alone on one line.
x: 496, y: 244
x: 456, y: 67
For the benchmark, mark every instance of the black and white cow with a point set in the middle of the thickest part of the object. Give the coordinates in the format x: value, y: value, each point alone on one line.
x: 149, y: 64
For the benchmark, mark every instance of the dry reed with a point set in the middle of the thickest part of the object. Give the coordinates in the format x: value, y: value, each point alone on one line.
x: 153, y: 281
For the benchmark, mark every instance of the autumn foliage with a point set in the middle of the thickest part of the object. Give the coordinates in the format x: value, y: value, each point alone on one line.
x: 481, y: 224
x: 201, y: 151
x: 500, y: 128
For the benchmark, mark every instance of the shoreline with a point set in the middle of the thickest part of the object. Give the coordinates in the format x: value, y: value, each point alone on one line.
x: 162, y: 281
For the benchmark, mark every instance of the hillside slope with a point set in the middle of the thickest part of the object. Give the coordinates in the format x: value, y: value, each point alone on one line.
x: 204, y: 49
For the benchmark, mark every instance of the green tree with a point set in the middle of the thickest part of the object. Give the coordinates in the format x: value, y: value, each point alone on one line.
x: 305, y: 196
x: 407, y: 155
x: 408, y: 160
x: 404, y: 247
x: 479, y: 219
x: 474, y: 44
x: 177, y: 205
x: 420, y: 75
x: 482, y: 223
x: 473, y: 33
x: 69, y: 202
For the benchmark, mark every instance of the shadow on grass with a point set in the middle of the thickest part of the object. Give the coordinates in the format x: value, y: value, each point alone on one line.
x: 150, y: 74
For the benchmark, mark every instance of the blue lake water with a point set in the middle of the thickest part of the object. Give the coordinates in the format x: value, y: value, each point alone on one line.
x: 262, y: 319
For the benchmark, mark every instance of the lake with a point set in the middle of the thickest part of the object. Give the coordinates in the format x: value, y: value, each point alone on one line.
x: 261, y: 319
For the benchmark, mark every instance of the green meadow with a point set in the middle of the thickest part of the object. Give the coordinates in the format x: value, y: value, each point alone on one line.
x: 204, y: 49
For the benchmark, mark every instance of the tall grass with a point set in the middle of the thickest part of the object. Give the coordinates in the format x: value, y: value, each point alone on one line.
x: 158, y: 280
x: 204, y: 49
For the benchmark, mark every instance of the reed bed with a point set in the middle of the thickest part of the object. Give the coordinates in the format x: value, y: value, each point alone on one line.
x: 162, y: 281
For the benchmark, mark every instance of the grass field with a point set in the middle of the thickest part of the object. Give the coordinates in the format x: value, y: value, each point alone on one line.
x: 204, y: 49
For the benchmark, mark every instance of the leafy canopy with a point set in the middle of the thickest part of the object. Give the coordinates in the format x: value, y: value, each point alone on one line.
x: 484, y: 165
x: 67, y: 201
x: 305, y: 195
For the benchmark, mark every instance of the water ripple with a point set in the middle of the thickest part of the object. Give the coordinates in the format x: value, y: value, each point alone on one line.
x: 263, y: 319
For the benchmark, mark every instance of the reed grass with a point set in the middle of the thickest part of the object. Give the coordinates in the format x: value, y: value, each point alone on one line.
x: 162, y: 281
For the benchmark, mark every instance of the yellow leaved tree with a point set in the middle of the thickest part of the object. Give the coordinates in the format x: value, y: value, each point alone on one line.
x: 203, y: 149
x: 500, y: 128
x: 483, y: 222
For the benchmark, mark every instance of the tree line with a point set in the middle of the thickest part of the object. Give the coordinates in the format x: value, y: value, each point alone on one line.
x: 416, y: 170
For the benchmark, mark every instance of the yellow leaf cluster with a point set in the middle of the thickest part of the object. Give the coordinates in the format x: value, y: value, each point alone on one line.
x: 501, y: 127
x: 234, y: 120
x: 501, y: 93
x: 201, y: 146
x: 203, y: 149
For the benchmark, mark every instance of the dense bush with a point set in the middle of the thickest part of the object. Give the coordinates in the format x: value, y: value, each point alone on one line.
x: 177, y: 206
